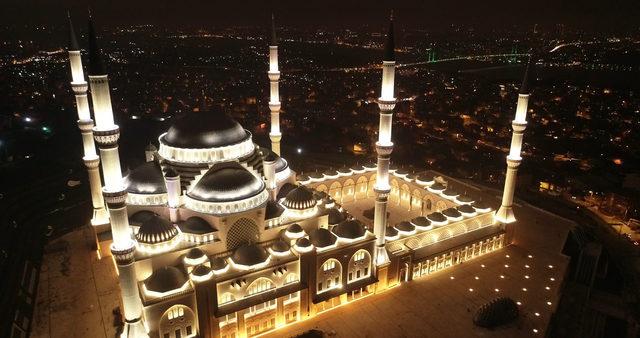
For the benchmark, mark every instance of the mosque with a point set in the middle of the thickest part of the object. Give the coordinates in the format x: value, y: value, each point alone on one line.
x: 215, y: 236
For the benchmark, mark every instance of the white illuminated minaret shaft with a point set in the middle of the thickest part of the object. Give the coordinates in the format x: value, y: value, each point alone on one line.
x: 384, y: 146
x: 106, y: 134
x: 519, y: 124
x: 85, y: 124
x: 274, y: 97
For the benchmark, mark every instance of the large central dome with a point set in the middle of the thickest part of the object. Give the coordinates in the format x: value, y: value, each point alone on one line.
x: 208, y: 129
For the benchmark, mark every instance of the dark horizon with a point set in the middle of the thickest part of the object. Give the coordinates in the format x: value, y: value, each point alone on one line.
x: 585, y: 14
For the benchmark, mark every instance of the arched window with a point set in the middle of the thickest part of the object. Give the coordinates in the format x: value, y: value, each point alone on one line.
x: 329, y: 275
x: 259, y: 285
x: 291, y: 278
x: 359, y: 266
x: 178, y: 321
x: 226, y: 298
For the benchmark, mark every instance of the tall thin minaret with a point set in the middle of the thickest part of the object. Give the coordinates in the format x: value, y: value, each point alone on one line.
x: 274, y: 99
x: 384, y: 146
x: 519, y: 124
x: 85, y: 124
x: 106, y: 134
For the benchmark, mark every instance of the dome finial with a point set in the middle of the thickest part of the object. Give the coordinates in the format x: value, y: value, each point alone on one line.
x: 73, y: 41
x: 389, y: 47
x: 96, y: 67
x: 274, y: 38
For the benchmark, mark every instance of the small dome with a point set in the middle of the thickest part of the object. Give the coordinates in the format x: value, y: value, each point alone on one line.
x: 195, y: 253
x: 280, y: 246
x: 156, y: 230
x: 273, y: 210
x: 165, y: 279
x: 479, y: 205
x: 497, y: 312
x: 393, y: 168
x: 147, y: 178
x: 299, y: 198
x: 196, y: 225
x: 226, y: 182
x: 391, y: 232
x: 344, y: 170
x: 285, y: 189
x: 451, y: 212
x: 302, y: 178
x: 402, y: 171
x: 405, y: 227
x: 450, y: 192
x: 322, y: 237
x: 411, y: 176
x: 330, y: 172
x: 141, y: 216
x: 437, y: 186
x: 204, y: 130
x: 464, y: 198
x: 316, y: 175
x: 421, y: 222
x: 201, y: 270
x: 350, y: 229
x: 303, y: 242
x: 249, y: 254
x: 218, y: 263
x: 358, y: 167
x: 371, y: 165
x: 466, y: 209
x: 437, y: 217
x: 295, y: 228
x: 336, y: 216
x: 424, y: 177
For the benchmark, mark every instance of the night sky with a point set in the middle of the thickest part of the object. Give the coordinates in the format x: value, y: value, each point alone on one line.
x: 342, y: 13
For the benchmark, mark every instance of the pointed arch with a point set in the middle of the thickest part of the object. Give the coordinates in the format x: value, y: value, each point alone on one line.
x: 178, y: 321
x: 361, y: 188
x: 359, y: 266
x: 348, y: 190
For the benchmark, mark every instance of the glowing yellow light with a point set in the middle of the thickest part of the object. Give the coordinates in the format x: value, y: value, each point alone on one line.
x: 537, y: 314
x: 530, y: 256
x: 552, y: 279
x: 482, y: 265
x: 452, y: 277
x: 550, y: 266
x: 507, y: 256
x: 470, y: 290
x: 548, y: 288
x: 526, y: 266
x: 496, y: 290
x: 524, y: 289
x: 502, y: 276
x: 506, y: 265
x: 476, y: 277
x: 549, y: 303
x: 519, y: 303
x: 526, y: 276
x: 535, y: 330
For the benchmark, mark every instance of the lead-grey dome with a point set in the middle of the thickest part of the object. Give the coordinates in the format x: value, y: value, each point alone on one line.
x: 436, y: 217
x: 322, y: 238
x: 249, y: 254
x: 421, y: 222
x: 147, y: 178
x: 205, y: 130
x: 299, y: 198
x: 350, y: 229
x: 226, y: 182
x: 335, y: 216
x: 451, y: 212
x: 156, y: 230
x: 140, y: 217
x: 165, y: 279
x: 196, y: 225
x: 280, y: 246
x: 218, y: 263
x: 405, y: 226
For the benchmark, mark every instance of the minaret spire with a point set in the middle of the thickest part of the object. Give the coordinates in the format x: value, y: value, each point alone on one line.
x: 106, y: 134
x: 384, y: 147
x: 85, y: 124
x: 519, y: 124
x: 274, y: 100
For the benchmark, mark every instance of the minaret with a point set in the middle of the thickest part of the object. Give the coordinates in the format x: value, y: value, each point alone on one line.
x: 519, y: 124
x: 384, y: 146
x: 274, y: 100
x: 106, y: 134
x: 85, y: 124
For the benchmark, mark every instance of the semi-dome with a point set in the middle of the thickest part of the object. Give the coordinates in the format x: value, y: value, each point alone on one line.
x: 450, y: 192
x: 147, y: 178
x: 141, y: 216
x: 272, y: 210
x: 196, y: 225
x: 156, y: 230
x: 335, y: 216
x: 269, y: 156
x: 437, y: 187
x: 390, y: 233
x: 285, y: 189
x: 165, y: 279
x: 464, y: 198
x: 204, y: 130
x: 322, y: 238
x: 249, y: 254
x: 299, y: 198
x: 350, y: 229
x: 295, y: 228
x: 226, y: 182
